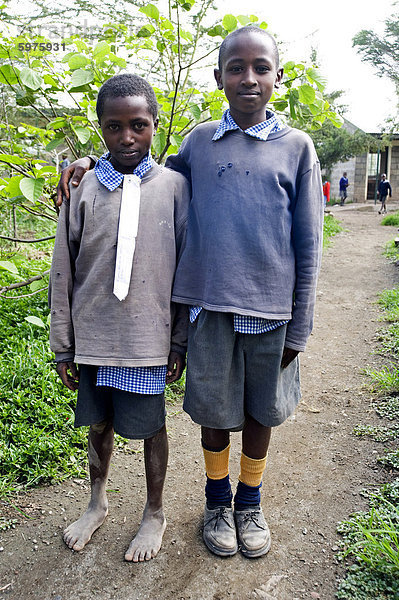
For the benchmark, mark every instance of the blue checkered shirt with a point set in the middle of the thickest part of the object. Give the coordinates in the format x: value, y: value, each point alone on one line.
x: 260, y: 131
x: 140, y: 380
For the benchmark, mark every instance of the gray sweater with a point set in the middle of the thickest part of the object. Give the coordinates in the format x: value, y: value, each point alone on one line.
x: 255, y: 221
x: 88, y: 323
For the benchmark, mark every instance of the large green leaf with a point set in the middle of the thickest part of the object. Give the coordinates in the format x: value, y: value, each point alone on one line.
x: 31, y: 79
x: 54, y: 143
x: 146, y: 30
x: 58, y: 123
x: 24, y: 97
x: 82, y: 133
x: 77, y: 61
x: 32, y: 188
x: 100, y: 50
x: 229, y: 22
x: 243, y: 19
x: 9, y: 74
x: 12, y: 189
x: 195, y: 111
x: 216, y: 31
x: 6, y: 265
x: 307, y: 94
x: 35, y: 321
x: 12, y: 159
x: 150, y: 11
x: 81, y: 77
x: 159, y: 141
x: 314, y: 76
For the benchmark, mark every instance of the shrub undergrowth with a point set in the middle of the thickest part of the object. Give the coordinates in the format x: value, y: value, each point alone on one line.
x: 391, y: 219
x: 371, y: 539
x: 391, y: 251
x: 331, y: 228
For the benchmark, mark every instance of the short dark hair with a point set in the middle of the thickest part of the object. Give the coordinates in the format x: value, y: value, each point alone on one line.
x: 247, y: 29
x: 127, y: 84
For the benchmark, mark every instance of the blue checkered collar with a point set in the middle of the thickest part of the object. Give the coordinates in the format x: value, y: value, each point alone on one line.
x: 111, y: 178
x: 260, y: 131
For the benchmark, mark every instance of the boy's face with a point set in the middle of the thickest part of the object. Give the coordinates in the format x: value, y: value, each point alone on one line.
x: 248, y: 77
x: 128, y: 128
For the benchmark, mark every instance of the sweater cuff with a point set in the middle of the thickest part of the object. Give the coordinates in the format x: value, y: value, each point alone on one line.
x: 93, y: 160
x: 179, y: 349
x: 64, y: 357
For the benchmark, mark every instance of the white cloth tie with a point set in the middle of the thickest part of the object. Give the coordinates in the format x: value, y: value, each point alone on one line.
x: 127, y: 233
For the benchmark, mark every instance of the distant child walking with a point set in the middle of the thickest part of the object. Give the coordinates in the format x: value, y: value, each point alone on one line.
x: 384, y: 188
x: 248, y: 273
x: 343, y: 188
x: 118, y: 240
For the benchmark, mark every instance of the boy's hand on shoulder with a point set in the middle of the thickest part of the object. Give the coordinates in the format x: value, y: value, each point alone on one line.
x: 288, y: 356
x: 74, y: 171
x: 176, y: 364
x: 69, y: 374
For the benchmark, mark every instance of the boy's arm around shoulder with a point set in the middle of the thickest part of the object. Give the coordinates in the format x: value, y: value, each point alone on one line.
x: 307, y: 237
x: 180, y: 162
x: 62, y: 341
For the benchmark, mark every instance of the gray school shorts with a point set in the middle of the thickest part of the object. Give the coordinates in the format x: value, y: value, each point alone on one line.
x: 231, y: 375
x: 134, y: 416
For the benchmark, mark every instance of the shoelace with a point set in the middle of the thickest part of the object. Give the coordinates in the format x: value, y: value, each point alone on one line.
x: 221, y: 515
x: 252, y: 516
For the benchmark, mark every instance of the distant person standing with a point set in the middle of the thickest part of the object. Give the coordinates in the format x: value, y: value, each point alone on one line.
x: 343, y: 185
x: 326, y: 192
x: 384, y: 188
x: 65, y: 162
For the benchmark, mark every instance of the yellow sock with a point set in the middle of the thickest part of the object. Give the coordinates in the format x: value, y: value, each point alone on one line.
x: 251, y: 470
x: 217, y: 463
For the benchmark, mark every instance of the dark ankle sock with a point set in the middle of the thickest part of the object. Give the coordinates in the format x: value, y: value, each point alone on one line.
x: 218, y: 492
x: 246, y: 496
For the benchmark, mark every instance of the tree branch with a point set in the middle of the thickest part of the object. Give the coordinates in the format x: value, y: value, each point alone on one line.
x: 20, y: 284
x: 11, y: 239
x: 23, y: 295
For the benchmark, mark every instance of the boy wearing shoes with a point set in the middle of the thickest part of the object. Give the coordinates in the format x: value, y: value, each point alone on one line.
x: 117, y: 245
x: 248, y: 273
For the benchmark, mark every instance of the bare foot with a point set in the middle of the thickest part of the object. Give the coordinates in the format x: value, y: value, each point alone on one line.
x: 79, y: 533
x: 148, y: 540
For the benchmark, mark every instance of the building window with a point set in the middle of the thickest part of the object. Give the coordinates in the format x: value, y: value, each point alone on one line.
x: 372, y: 164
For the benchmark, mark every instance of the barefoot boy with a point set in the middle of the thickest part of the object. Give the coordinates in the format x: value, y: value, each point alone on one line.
x: 248, y: 272
x: 117, y: 245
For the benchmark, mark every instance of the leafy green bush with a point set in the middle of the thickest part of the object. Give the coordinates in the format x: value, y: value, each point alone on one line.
x: 389, y: 302
x: 391, y: 251
x: 392, y: 219
x: 372, y: 540
x: 330, y: 229
x: 38, y: 442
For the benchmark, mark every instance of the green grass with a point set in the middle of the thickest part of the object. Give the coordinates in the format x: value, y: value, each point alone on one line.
x: 385, y: 380
x: 389, y: 302
x: 391, y: 251
x: 330, y: 229
x: 391, y: 219
x: 371, y: 541
x: 389, y: 340
x: 38, y: 442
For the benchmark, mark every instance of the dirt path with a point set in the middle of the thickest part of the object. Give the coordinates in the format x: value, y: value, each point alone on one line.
x: 315, y: 472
